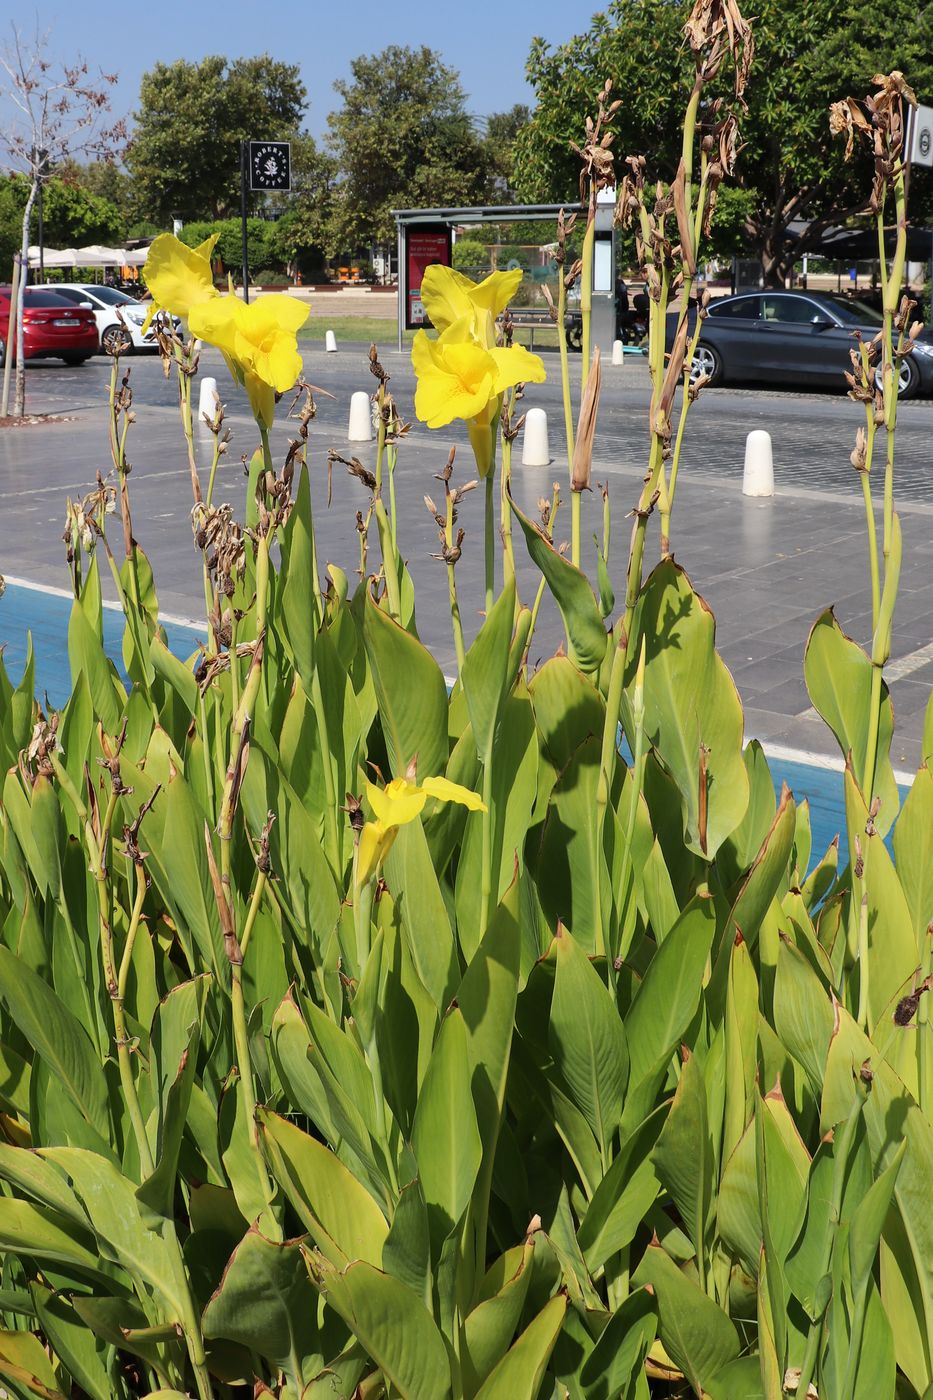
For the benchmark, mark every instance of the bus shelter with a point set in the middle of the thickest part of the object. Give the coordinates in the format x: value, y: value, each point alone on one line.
x: 427, y: 236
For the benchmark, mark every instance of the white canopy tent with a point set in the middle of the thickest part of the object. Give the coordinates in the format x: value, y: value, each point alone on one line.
x: 96, y: 255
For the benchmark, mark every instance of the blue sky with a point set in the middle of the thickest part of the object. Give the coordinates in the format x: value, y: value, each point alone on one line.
x: 487, y: 40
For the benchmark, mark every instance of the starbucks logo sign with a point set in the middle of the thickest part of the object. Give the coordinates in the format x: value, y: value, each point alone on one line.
x: 270, y: 165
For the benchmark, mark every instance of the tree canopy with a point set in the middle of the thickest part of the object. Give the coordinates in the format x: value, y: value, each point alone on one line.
x: 402, y: 138
x: 807, y: 54
x: 184, y: 156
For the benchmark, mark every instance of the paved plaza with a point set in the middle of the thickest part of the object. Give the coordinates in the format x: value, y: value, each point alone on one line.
x: 766, y: 567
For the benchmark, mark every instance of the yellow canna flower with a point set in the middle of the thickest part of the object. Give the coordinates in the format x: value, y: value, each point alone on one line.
x: 460, y: 378
x: 258, y: 341
x: 449, y: 296
x: 397, y: 804
x: 179, y: 277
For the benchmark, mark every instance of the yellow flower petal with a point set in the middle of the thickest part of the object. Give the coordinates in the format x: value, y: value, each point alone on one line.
x: 456, y: 376
x: 449, y: 296
x: 398, y: 803
x: 216, y: 322
x: 372, y: 850
x: 446, y: 791
x: 178, y: 277
x: 516, y: 365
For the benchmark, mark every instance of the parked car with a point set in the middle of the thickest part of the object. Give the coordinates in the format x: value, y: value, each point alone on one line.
x: 795, y: 338
x: 108, y: 304
x: 53, y: 326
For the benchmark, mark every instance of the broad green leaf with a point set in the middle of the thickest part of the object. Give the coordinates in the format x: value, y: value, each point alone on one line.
x: 157, y: 1193
x: 693, y: 716
x: 41, y: 1233
x: 670, y: 991
x: 411, y: 693
x: 24, y: 1362
x: 266, y: 1302
x: 587, y: 1040
x: 568, y: 708
x: 867, y: 1222
x: 683, y: 1155
x: 419, y: 903
x: 299, y: 623
x: 741, y: 848
x: 619, y: 1353
x: 893, y: 949
x: 445, y: 1136
x: 391, y: 1323
x: 740, y: 1380
x: 838, y: 676
x: 570, y: 867
x: 768, y: 874
x: 86, y: 654
x: 803, y: 1013
x: 406, y: 1253
x: 57, y: 1036
x: 14, y: 1081
x: 485, y: 670
x: 913, y: 850
x: 339, y: 1213
x: 519, y: 1374
x: 696, y: 1334
x: 85, y: 1356
x: 490, y: 1327
x: 623, y: 1196
x: 572, y: 593
x: 741, y: 1045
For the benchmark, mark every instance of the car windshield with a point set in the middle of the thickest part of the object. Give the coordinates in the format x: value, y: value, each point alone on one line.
x: 853, y: 312
x: 109, y: 295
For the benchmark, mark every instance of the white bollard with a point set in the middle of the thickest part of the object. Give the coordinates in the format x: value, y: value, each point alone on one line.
x: 758, y: 478
x: 361, y: 418
x: 207, y: 399
x: 618, y: 354
x: 330, y: 343
x: 535, y: 451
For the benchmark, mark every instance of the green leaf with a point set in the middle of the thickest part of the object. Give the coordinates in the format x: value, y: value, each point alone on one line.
x: 768, y: 874
x: 570, y: 852
x: 24, y: 1362
x: 693, y: 716
x: 838, y: 676
x: 157, y: 1193
x: 572, y: 593
x: 620, y: 1351
x: 266, y: 1302
x: 519, y: 1374
x: 683, y: 1157
x: 803, y: 1013
x: 411, y: 692
x: 587, y: 1040
x: 175, y: 674
x: 490, y: 1327
x: 340, y: 1214
x: 445, y: 1136
x: 41, y: 1233
x: 298, y: 619
x: 57, y: 1036
x: 391, y: 1323
x: 670, y: 991
x: 485, y: 670
x: 696, y: 1334
x: 913, y: 850
x: 85, y: 1356
x: 407, y: 1251
x: 411, y: 877
x: 624, y: 1195
x: 867, y: 1222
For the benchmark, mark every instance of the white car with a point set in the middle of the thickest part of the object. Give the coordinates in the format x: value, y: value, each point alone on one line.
x: 105, y: 302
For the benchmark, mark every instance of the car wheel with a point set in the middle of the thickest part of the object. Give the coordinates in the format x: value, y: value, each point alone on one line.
x: 113, y: 341
x: 707, y: 362
x: 75, y: 359
x: 908, y: 379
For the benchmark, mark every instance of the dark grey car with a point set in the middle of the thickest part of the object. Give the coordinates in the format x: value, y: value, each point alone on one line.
x: 795, y: 338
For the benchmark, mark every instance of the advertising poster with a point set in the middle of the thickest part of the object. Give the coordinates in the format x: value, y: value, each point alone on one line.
x: 423, y: 246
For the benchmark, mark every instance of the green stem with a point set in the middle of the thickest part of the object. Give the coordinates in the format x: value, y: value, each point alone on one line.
x: 489, y: 896
x: 490, y: 541
x: 505, y: 510
x: 455, y: 621
x: 333, y: 828
x: 872, y: 549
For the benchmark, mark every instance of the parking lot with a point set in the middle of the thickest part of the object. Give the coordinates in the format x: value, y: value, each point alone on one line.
x: 766, y: 567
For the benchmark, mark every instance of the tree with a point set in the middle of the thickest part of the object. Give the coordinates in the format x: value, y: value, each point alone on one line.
x: 807, y: 53
x: 301, y: 230
x: 184, y: 157
x: 502, y: 129
x: 60, y: 111
x: 402, y: 139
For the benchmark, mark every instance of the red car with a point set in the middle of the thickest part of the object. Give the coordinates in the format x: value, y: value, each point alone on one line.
x: 52, y: 326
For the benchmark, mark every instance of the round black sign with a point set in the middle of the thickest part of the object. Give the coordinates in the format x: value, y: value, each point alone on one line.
x: 269, y: 165
x: 924, y: 141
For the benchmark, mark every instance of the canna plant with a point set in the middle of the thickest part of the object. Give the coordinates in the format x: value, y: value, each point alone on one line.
x: 364, y: 1037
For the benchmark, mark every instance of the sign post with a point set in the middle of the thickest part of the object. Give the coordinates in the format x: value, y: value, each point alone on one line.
x: 424, y: 244
x: 264, y: 165
x: 920, y: 152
